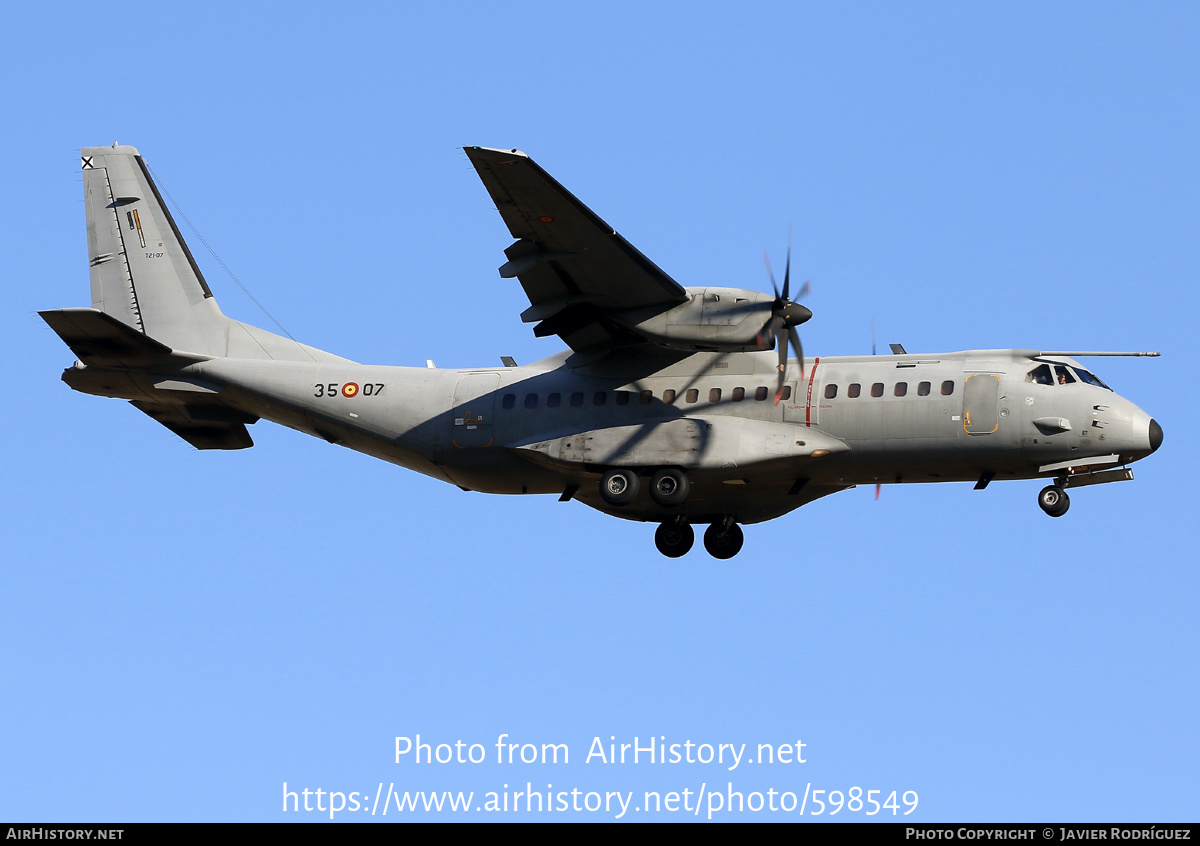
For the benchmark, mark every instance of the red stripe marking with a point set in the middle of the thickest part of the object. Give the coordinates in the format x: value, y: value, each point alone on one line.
x: 812, y: 374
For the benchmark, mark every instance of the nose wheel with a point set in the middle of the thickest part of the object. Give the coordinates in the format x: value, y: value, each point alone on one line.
x: 1054, y: 500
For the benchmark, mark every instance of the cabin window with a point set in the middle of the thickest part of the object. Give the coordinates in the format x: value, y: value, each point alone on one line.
x: 785, y: 393
x: 947, y: 387
x: 645, y: 397
x: 692, y: 395
x: 554, y: 401
x: 509, y: 401
x: 877, y: 389
x: 760, y: 394
x: 854, y: 390
x: 577, y: 399
x: 600, y: 397
x: 714, y: 395
x: 622, y: 397
x: 830, y: 391
x: 1062, y: 375
x: 668, y: 396
x: 923, y: 389
x: 531, y: 400
x: 901, y: 389
x: 738, y: 394
x: 1040, y: 375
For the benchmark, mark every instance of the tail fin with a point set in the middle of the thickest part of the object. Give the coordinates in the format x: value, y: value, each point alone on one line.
x: 142, y: 271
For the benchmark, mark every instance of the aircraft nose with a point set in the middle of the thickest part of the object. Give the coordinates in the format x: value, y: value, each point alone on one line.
x: 1156, y: 435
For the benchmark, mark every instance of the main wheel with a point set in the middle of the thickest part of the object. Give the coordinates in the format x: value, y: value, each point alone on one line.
x: 619, y: 487
x: 674, y: 539
x: 669, y: 487
x: 1054, y: 500
x: 723, y: 544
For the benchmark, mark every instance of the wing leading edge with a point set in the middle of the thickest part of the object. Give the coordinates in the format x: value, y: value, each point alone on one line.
x: 574, y: 267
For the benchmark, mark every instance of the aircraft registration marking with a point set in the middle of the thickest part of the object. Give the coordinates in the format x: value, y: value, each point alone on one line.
x: 349, y: 389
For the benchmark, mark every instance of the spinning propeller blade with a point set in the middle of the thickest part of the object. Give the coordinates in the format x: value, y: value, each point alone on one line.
x: 786, y: 315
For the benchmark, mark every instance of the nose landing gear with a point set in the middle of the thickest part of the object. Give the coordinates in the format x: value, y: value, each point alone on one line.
x: 1054, y: 500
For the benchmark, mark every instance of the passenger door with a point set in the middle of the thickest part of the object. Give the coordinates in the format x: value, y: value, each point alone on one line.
x: 798, y: 408
x: 474, y: 405
x: 981, y: 402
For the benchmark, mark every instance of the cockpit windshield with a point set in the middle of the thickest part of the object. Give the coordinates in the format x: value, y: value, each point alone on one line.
x: 1062, y: 375
x: 1040, y: 375
x: 1091, y: 379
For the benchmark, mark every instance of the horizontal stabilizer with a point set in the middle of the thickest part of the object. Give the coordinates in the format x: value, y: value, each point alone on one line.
x: 99, y: 339
x: 200, y: 433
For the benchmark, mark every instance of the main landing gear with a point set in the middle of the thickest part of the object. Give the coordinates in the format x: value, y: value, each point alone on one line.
x: 668, y: 487
x: 1054, y: 500
x: 619, y: 487
x: 674, y: 539
x: 723, y: 539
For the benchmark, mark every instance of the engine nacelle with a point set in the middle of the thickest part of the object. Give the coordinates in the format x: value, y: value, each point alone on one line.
x: 713, y: 319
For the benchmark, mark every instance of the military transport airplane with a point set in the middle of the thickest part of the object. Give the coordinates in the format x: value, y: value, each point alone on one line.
x: 669, y: 405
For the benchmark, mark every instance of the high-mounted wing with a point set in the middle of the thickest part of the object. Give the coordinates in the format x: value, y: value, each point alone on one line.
x: 574, y: 267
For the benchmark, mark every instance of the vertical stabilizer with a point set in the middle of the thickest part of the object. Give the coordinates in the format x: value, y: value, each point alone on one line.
x: 142, y: 272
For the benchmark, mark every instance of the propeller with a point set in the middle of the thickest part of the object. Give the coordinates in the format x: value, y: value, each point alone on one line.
x: 786, y: 315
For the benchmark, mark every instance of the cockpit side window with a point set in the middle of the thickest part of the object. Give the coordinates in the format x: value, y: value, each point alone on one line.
x: 1040, y: 375
x: 1062, y: 375
x: 1091, y: 379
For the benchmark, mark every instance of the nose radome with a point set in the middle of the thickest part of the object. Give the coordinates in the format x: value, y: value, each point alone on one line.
x: 1156, y: 435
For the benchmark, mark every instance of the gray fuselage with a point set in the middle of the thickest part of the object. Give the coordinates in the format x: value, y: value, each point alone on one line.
x: 916, y: 418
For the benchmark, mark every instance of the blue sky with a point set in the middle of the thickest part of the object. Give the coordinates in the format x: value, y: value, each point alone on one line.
x: 183, y: 632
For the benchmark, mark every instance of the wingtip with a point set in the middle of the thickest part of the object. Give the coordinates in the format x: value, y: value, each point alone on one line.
x: 476, y: 150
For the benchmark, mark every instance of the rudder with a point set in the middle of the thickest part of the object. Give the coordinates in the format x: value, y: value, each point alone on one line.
x: 142, y: 272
